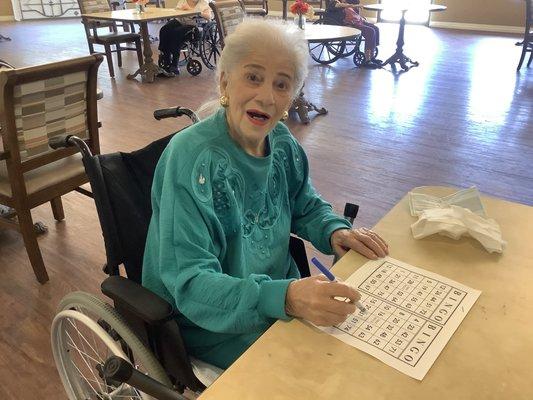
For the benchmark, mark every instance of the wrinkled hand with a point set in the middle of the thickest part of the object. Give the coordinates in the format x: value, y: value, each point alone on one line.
x: 313, y: 300
x: 362, y: 240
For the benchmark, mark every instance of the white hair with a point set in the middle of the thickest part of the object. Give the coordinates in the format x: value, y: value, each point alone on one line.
x: 253, y: 33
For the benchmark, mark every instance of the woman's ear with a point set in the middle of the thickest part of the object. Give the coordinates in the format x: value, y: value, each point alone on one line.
x: 223, y: 83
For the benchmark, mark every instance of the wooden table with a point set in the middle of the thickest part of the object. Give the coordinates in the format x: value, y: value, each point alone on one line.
x: 398, y: 57
x: 149, y: 70
x: 320, y: 34
x: 489, y: 357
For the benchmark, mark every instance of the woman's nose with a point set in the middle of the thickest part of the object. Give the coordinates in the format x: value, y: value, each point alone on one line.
x: 265, y: 95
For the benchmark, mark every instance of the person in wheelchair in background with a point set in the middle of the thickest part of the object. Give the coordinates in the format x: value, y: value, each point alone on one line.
x: 347, y: 11
x: 200, y: 6
x: 177, y: 31
x: 226, y: 195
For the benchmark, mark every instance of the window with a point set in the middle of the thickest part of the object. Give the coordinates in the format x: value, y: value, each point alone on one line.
x: 417, y: 13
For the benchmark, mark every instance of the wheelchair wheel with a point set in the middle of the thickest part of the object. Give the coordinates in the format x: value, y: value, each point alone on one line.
x: 359, y: 58
x: 87, y: 331
x: 194, y: 67
x: 210, y: 46
x: 326, y: 52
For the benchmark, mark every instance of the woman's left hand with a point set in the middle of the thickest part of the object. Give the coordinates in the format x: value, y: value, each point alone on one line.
x: 362, y: 240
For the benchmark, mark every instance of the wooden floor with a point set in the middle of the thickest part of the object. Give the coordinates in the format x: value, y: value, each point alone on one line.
x: 462, y: 118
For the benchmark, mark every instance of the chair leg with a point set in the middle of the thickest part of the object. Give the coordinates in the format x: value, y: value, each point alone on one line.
x: 109, y: 57
x: 139, y: 52
x: 119, y: 55
x: 32, y: 247
x: 57, y: 209
x: 530, y: 58
x: 91, y: 47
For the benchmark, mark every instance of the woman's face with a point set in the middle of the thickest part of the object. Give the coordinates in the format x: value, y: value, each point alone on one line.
x: 259, y: 90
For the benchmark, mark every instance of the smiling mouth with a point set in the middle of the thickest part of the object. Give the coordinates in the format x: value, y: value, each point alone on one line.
x: 258, y: 117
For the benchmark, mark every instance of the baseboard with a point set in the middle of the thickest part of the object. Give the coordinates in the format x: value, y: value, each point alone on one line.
x: 477, y: 27
x: 5, y: 18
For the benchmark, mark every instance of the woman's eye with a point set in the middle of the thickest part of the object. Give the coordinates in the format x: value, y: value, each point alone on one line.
x: 253, y: 78
x: 283, y: 85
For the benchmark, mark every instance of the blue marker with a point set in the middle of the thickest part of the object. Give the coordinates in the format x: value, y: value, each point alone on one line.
x: 332, y: 278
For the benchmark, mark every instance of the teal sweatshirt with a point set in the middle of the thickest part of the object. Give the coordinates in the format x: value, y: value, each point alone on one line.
x: 218, y: 242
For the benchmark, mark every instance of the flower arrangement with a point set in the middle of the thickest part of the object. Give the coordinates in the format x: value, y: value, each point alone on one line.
x: 301, y: 9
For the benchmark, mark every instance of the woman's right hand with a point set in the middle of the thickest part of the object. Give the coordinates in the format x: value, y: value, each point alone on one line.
x: 313, y: 300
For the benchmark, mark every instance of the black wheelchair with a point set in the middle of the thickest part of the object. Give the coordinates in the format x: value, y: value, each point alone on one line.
x: 329, y: 52
x: 201, y: 41
x: 133, y: 348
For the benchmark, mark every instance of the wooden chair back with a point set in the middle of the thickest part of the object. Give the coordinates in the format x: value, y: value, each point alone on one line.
x: 255, y: 7
x: 36, y: 104
x: 93, y: 6
x: 228, y: 14
x: 319, y: 6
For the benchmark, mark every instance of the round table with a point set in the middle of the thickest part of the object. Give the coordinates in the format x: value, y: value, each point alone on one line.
x: 398, y: 57
x: 319, y: 34
x: 326, y: 33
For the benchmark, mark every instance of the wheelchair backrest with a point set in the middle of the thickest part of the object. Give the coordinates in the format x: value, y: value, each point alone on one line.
x: 121, y: 184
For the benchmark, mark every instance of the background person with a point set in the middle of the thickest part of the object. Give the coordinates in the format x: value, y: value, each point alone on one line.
x: 348, y: 11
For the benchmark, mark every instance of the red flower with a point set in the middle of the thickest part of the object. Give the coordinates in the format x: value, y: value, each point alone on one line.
x: 299, y: 7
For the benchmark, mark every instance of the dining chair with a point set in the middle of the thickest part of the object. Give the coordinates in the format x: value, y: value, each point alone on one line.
x: 228, y: 14
x: 256, y: 7
x: 108, y: 39
x: 527, y: 43
x: 5, y: 64
x: 319, y: 7
x: 36, y: 104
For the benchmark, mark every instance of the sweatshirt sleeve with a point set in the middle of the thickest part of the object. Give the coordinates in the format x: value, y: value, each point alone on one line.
x: 313, y: 218
x: 184, y: 258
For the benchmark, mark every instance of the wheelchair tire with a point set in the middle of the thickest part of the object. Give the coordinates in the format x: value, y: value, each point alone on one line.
x: 194, y: 67
x: 326, y: 52
x: 87, y: 313
x: 350, y: 46
x: 359, y: 58
x: 210, y: 46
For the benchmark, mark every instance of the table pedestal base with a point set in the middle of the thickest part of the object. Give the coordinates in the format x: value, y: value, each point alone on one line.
x: 401, y: 59
x: 8, y: 215
x: 302, y: 106
x: 149, y: 71
x: 398, y: 56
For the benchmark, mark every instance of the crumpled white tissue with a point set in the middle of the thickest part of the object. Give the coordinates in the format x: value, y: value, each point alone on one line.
x: 454, y: 222
x: 467, y: 198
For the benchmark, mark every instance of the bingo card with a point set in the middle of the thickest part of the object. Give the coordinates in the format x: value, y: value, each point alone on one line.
x: 411, y: 314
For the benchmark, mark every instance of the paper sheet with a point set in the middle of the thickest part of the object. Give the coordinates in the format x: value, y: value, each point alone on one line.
x: 411, y: 314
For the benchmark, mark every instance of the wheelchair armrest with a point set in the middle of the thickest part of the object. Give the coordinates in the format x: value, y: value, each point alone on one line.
x: 138, y: 300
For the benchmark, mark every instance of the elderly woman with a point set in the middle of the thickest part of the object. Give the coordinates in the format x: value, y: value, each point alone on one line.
x: 228, y: 192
